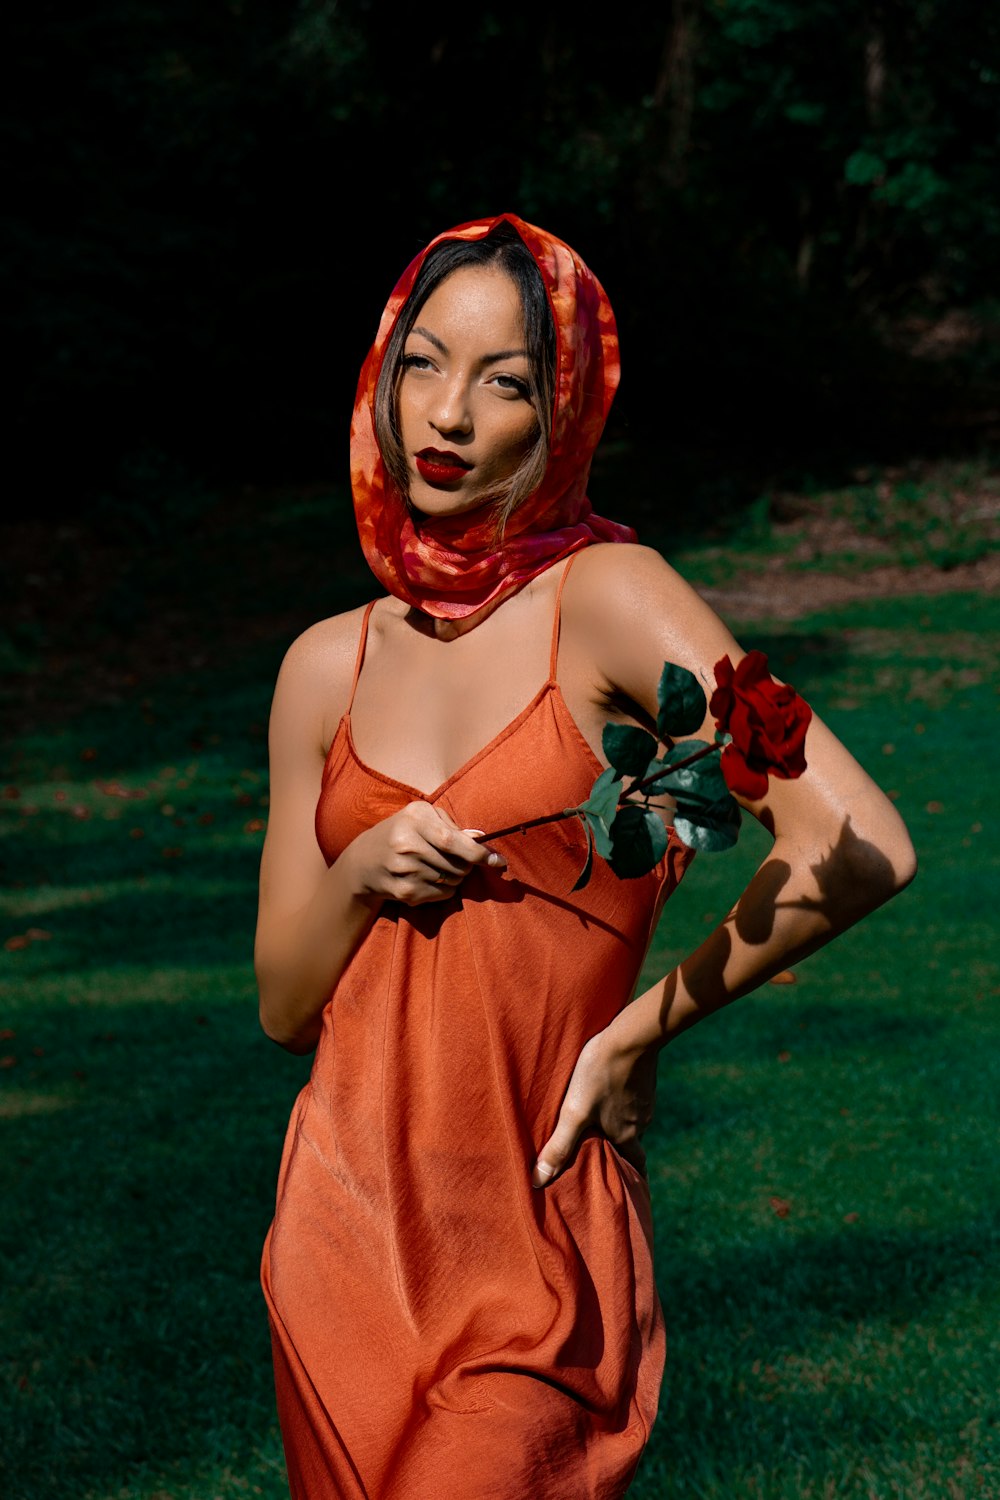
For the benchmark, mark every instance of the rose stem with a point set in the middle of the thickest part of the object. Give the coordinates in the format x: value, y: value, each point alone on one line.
x: 573, y: 812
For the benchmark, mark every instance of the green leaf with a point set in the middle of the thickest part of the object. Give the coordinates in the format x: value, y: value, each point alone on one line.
x: 604, y: 796
x: 701, y: 776
x: 654, y: 787
x: 703, y: 783
x: 682, y: 702
x: 628, y: 748
x: 862, y: 168
x: 709, y: 829
x: 640, y: 840
x: 599, y: 809
x: 584, y: 876
x: 601, y: 832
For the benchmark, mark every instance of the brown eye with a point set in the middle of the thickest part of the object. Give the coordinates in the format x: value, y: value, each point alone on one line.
x: 512, y: 383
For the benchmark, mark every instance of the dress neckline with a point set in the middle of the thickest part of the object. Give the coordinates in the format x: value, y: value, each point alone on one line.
x: 548, y: 687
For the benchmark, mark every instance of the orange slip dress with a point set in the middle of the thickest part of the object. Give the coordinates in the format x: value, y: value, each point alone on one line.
x: 441, y: 1329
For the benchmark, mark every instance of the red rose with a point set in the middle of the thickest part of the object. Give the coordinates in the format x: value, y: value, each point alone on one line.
x: 767, y: 720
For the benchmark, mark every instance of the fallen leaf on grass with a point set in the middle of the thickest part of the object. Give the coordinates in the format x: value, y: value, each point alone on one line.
x: 254, y: 826
x: 9, y: 1061
x: 851, y: 1218
x: 780, y: 1207
x: 25, y: 939
x: 116, y: 789
x: 785, y: 977
x: 7, y: 1034
x: 784, y: 1057
x: 11, y: 792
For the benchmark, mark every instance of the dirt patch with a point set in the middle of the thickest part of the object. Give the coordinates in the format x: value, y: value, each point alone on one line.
x: 780, y: 592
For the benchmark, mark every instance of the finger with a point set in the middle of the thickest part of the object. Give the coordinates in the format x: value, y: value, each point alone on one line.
x: 485, y: 854
x: 558, y: 1150
x: 437, y: 865
x: 439, y: 829
x: 420, y: 888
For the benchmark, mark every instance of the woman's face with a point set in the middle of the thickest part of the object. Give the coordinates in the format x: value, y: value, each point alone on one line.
x: 464, y: 404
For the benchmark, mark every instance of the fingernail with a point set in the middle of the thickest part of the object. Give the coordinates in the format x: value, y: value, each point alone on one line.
x: 497, y: 859
x: 474, y: 832
x: 543, y: 1171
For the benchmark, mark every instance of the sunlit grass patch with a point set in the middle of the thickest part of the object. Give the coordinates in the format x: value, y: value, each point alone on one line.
x: 822, y: 1161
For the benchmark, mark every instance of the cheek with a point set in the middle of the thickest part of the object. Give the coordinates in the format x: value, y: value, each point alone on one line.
x: 404, y: 408
x: 518, y: 437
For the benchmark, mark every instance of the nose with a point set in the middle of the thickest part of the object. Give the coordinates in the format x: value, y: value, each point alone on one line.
x: 451, y: 410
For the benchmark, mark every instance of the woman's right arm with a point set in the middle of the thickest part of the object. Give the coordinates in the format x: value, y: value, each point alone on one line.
x: 312, y: 917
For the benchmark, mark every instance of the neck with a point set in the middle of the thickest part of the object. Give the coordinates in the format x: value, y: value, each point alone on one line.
x: 450, y: 630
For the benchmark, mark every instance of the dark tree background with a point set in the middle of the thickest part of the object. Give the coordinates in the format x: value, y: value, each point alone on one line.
x: 211, y: 200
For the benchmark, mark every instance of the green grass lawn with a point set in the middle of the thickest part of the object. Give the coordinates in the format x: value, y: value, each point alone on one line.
x: 823, y: 1161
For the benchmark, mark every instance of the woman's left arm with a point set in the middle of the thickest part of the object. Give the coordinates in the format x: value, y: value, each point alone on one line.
x: 840, y: 850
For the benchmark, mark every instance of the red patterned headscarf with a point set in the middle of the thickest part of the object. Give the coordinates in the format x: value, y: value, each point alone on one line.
x: 452, y: 566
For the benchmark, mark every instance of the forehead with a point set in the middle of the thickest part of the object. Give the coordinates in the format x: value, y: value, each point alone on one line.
x: 475, y: 302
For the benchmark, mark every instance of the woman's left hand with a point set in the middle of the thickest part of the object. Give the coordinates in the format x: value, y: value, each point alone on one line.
x: 612, y: 1090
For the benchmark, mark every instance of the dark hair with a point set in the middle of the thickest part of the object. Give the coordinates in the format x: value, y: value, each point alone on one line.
x: 505, y: 250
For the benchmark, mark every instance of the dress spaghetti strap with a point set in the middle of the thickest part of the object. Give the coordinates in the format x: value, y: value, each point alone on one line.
x: 359, y: 660
x: 557, y: 619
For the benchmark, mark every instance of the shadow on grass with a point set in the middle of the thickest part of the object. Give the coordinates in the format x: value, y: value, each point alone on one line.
x: 825, y: 1355
x: 145, y: 1139
x: 134, y: 1333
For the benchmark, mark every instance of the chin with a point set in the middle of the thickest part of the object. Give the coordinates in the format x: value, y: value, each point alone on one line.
x: 431, y: 503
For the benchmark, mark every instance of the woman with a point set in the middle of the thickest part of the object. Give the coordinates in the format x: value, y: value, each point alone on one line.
x: 459, y: 1274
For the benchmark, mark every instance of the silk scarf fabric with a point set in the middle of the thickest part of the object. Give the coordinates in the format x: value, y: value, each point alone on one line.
x: 452, y: 567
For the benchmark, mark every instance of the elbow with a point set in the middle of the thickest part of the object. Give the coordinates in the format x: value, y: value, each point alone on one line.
x: 282, y: 1021
x: 883, y: 872
x: 905, y: 866
x: 900, y: 855
x: 277, y: 1029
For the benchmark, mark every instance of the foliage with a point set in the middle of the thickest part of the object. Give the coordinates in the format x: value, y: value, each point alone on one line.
x: 760, y: 732
x: 210, y: 204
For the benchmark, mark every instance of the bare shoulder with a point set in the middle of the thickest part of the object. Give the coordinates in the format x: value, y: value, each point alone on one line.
x: 622, y: 579
x: 314, y: 681
x: 631, y: 607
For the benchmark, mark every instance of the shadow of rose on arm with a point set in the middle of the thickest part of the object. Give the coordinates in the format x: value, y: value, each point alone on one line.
x: 850, y: 880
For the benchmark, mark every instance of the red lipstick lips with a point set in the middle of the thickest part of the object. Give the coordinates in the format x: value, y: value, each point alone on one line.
x: 440, y: 468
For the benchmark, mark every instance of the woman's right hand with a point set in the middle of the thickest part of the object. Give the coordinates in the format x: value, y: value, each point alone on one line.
x: 416, y: 856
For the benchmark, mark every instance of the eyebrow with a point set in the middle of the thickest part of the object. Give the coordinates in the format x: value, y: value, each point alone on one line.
x: 488, y: 359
